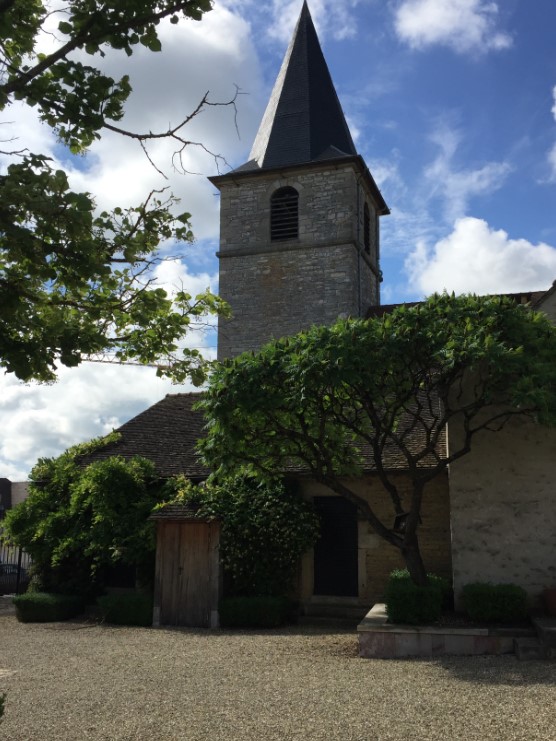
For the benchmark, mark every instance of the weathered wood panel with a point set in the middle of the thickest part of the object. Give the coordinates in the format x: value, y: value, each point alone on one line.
x: 187, y: 574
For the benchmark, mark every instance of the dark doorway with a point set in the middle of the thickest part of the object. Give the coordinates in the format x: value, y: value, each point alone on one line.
x: 336, y: 549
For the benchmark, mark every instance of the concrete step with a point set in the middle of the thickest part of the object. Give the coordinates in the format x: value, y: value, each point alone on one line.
x: 546, y: 631
x: 328, y: 622
x: 333, y: 610
x: 527, y: 649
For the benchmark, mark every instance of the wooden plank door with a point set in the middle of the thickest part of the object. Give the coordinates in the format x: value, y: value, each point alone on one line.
x: 335, y: 560
x: 187, y: 574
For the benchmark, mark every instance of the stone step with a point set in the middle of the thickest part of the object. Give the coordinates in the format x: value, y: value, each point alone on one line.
x: 546, y: 631
x: 328, y: 622
x: 527, y: 649
x: 354, y: 613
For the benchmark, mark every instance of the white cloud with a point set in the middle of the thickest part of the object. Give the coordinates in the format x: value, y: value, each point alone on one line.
x: 43, y: 420
x: 457, y: 187
x: 463, y: 25
x: 477, y: 259
x: 214, y: 55
x: 334, y: 19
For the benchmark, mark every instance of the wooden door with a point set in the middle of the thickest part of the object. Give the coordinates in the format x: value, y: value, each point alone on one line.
x: 187, y: 574
x: 336, y: 561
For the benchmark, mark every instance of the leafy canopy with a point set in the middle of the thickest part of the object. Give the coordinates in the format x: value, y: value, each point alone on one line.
x: 78, y: 519
x: 310, y: 400
x: 378, y: 394
x: 75, y: 283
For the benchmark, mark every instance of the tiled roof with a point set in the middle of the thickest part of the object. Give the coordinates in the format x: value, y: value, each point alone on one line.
x: 182, y: 512
x: 524, y: 297
x: 166, y: 434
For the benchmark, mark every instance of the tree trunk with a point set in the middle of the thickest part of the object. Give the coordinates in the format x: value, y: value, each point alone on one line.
x: 413, y: 560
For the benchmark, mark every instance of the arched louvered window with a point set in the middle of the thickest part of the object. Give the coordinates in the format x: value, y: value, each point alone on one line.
x: 284, y: 214
x: 367, y: 229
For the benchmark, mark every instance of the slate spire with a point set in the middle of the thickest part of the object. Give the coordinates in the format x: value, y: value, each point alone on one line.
x: 304, y: 121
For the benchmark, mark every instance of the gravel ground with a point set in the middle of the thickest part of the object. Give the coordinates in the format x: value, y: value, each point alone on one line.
x: 83, y: 681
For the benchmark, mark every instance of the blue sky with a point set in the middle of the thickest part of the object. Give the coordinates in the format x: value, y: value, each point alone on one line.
x: 452, y: 103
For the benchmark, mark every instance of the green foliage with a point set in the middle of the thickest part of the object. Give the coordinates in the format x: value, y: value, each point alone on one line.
x: 333, y: 401
x: 407, y: 603
x: 266, y: 527
x: 495, y: 602
x: 127, y: 609
x: 79, y: 520
x: 2, y: 704
x: 254, y: 612
x: 74, y: 283
x: 42, y: 607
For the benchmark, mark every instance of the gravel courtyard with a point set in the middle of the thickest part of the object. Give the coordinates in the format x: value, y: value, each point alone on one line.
x: 82, y: 681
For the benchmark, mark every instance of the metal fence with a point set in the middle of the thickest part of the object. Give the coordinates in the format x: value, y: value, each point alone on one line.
x: 14, y: 568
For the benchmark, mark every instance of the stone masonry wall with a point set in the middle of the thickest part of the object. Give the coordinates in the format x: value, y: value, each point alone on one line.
x: 278, y: 288
x: 504, y: 509
x: 504, y: 504
x: 20, y: 491
x: 377, y: 558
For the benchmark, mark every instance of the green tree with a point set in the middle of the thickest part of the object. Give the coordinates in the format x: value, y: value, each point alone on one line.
x: 76, y: 283
x: 78, y: 520
x: 266, y: 528
x: 325, y: 399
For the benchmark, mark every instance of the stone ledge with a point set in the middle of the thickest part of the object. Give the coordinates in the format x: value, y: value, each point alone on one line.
x: 380, y: 640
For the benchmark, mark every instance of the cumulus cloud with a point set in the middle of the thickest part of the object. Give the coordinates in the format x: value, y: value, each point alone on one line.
x: 335, y: 19
x: 457, y: 186
x: 214, y: 55
x: 463, y: 25
x: 475, y: 258
x: 43, y: 420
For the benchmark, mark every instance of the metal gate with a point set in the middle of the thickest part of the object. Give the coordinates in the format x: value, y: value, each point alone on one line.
x: 14, y: 568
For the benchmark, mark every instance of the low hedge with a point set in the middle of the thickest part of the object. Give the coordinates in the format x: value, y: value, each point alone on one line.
x: 408, y: 603
x: 127, y: 609
x: 45, y: 607
x: 255, y: 612
x: 495, y: 602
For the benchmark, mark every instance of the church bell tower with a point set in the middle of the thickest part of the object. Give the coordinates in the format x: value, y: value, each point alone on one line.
x: 299, y: 233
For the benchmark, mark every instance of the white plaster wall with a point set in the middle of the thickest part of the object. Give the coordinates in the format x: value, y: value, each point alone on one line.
x: 503, y: 509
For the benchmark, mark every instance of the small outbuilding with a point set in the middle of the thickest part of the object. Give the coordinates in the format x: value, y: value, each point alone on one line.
x: 188, y: 578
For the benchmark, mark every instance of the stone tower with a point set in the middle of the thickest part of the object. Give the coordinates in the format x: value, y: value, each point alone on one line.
x: 299, y: 234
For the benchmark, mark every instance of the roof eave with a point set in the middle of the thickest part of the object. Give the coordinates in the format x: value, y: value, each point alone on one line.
x: 237, y: 175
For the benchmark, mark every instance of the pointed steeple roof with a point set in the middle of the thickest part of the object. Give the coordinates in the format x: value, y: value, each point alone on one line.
x: 304, y: 121
x: 303, y: 124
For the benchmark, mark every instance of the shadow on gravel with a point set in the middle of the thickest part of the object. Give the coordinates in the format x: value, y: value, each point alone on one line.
x: 499, y: 670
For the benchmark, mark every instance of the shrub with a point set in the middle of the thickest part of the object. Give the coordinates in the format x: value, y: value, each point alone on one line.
x: 495, y: 602
x: 44, y: 607
x: 2, y: 704
x: 254, y: 612
x: 79, y: 520
x: 266, y: 528
x: 408, y: 603
x: 127, y: 609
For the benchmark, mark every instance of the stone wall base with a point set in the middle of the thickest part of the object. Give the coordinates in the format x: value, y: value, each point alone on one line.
x: 381, y: 640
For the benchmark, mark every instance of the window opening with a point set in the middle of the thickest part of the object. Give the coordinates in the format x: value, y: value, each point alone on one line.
x: 284, y: 214
x: 366, y: 229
